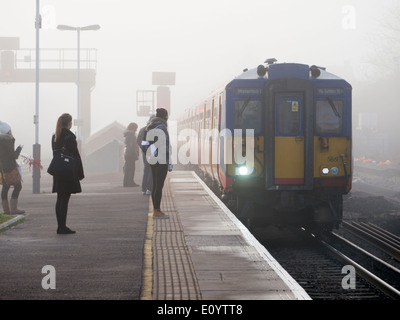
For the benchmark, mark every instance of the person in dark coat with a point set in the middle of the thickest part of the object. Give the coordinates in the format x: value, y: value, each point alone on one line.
x: 65, y: 138
x: 131, y: 155
x: 147, y: 179
x: 8, y: 157
x: 159, y: 158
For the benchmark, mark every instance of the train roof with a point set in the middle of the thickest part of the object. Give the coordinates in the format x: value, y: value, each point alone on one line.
x: 287, y: 70
x: 279, y: 71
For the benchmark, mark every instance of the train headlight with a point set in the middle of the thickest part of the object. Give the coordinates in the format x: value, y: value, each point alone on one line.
x: 325, y: 171
x: 243, y: 171
x: 335, y: 170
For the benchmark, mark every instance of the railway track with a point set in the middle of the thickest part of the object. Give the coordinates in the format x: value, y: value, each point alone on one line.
x: 376, y: 236
x: 377, y: 272
x: 321, y: 265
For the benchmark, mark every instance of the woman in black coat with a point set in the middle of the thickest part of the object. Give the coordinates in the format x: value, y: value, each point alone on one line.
x: 65, y: 138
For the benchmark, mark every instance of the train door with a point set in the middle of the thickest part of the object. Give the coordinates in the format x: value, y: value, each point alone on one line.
x: 289, y: 139
x: 289, y: 135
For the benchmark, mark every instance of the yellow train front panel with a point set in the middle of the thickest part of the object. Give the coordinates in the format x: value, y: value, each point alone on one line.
x: 331, y: 154
x: 289, y: 160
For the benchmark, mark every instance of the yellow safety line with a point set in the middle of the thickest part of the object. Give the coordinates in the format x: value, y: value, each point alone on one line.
x: 147, y: 290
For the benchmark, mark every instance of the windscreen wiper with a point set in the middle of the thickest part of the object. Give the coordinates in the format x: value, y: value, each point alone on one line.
x: 244, y: 106
x: 335, y: 111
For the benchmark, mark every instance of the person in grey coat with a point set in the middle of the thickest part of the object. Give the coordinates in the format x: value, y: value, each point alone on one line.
x: 159, y: 158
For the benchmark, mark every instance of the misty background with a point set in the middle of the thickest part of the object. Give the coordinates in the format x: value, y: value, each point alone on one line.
x: 207, y: 43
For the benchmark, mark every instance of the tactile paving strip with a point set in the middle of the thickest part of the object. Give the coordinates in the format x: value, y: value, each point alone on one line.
x: 174, y: 277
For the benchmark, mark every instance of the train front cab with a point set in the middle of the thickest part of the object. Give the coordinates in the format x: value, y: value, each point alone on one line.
x: 307, y: 144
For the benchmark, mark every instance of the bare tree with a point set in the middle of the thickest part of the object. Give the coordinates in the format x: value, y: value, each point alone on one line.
x: 386, y: 42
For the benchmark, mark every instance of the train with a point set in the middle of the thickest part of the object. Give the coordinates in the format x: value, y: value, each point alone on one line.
x: 285, y: 155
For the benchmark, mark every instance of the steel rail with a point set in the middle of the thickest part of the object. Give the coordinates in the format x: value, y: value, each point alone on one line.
x: 373, y: 238
x: 395, y: 240
x: 367, y: 275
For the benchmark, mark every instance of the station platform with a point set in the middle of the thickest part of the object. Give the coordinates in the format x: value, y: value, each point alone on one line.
x: 119, y: 252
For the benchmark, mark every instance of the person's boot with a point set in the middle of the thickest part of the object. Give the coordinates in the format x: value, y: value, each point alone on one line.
x: 63, y: 229
x: 158, y: 214
x: 59, y: 220
x: 6, y: 206
x: 14, y: 207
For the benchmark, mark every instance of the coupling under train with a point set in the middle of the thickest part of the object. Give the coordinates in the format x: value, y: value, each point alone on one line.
x: 300, y: 117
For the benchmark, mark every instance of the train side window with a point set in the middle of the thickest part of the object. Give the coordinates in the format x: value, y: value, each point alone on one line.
x: 329, y: 116
x: 289, y: 117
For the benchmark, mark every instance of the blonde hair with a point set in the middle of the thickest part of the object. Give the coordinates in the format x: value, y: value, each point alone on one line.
x: 62, y: 122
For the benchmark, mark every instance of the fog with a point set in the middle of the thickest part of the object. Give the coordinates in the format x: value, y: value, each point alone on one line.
x: 206, y: 43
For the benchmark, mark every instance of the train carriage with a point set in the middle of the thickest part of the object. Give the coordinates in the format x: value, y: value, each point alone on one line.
x: 300, y: 117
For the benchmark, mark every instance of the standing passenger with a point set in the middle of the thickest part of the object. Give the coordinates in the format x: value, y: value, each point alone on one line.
x: 131, y: 155
x: 147, y: 180
x: 8, y: 163
x: 64, y: 138
x: 159, y: 159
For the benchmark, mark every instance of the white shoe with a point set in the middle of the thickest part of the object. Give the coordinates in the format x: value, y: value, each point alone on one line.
x: 148, y: 192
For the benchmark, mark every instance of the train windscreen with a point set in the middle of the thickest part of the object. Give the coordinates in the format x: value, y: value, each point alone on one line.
x: 248, y: 115
x: 329, y: 116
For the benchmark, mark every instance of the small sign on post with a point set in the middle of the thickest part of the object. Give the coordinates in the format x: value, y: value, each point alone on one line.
x: 78, y: 123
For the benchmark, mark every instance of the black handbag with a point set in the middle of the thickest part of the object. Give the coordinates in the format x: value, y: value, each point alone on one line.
x: 64, y: 166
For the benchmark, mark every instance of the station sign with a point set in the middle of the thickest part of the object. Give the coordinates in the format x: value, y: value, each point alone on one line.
x: 163, y: 78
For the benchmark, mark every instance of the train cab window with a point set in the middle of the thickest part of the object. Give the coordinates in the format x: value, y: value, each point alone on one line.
x: 289, y: 117
x: 329, y: 116
x: 248, y: 115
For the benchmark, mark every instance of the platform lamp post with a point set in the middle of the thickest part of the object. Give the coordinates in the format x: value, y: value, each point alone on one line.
x: 93, y: 27
x: 36, y: 146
